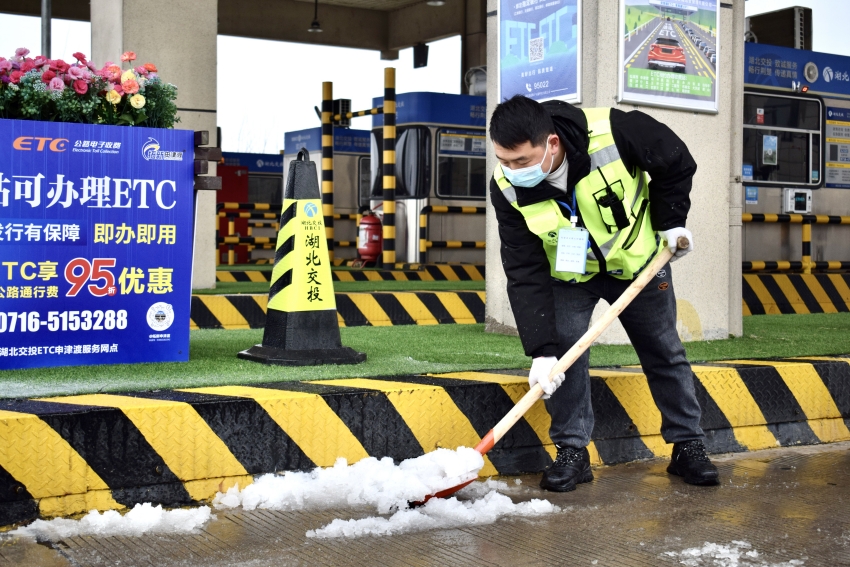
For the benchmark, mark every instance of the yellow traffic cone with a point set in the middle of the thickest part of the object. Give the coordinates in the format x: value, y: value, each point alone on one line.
x: 301, y: 321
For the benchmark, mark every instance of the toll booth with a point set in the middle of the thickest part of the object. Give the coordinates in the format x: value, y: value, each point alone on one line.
x: 247, y: 178
x: 440, y: 161
x: 796, y: 152
x: 351, y: 176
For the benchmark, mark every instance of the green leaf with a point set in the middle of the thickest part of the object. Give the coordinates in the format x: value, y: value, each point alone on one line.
x: 141, y: 118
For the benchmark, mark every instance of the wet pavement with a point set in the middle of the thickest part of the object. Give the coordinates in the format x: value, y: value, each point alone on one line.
x: 791, y: 506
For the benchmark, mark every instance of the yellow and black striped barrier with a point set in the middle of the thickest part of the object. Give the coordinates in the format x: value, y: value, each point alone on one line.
x: 425, y: 244
x: 328, y: 165
x: 775, y: 294
x: 377, y: 309
x: 388, y: 170
x: 67, y: 455
x: 427, y: 273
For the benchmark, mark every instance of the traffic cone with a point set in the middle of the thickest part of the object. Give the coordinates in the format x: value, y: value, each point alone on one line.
x: 301, y: 322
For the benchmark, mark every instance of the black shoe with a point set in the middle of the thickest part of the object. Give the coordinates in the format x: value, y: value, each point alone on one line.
x: 690, y: 462
x: 571, y: 467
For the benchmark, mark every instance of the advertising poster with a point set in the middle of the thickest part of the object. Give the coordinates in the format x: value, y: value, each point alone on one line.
x: 539, y: 49
x: 96, y: 240
x: 768, y: 150
x: 837, y: 148
x: 669, y: 52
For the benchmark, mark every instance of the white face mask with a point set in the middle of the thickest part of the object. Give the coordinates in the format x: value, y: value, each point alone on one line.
x: 532, y: 175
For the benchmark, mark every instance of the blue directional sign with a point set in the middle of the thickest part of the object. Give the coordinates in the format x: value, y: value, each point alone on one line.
x: 95, y: 244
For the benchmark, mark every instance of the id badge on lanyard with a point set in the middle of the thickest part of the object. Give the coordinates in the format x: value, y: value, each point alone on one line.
x: 571, y: 255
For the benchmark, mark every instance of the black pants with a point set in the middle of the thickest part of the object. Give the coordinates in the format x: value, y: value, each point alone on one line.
x: 650, y: 322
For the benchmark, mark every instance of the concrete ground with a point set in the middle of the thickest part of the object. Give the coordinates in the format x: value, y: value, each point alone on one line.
x: 791, y: 506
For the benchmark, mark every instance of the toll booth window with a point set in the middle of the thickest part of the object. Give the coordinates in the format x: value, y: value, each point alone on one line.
x: 413, y: 162
x: 461, y: 164
x: 782, y: 138
x: 364, y: 177
x: 265, y: 188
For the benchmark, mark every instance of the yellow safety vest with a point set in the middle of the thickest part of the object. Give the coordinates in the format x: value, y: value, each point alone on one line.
x: 627, y: 248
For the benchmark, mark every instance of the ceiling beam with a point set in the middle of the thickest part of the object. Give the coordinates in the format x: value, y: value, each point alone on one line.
x: 288, y: 20
x: 62, y: 9
x: 421, y: 23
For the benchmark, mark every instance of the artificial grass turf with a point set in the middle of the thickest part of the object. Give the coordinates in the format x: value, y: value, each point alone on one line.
x: 350, y: 287
x: 410, y: 350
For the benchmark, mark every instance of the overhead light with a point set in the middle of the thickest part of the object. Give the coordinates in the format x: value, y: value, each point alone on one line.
x: 436, y: 2
x: 315, y: 27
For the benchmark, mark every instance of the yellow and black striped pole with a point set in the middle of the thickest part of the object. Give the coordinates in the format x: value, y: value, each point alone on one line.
x: 302, y: 326
x: 328, y: 165
x: 807, y: 247
x: 388, y: 256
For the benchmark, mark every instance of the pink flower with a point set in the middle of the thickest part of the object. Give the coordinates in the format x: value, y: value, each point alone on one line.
x: 127, y: 56
x: 22, y: 52
x: 80, y: 87
x: 56, y: 84
x: 141, y: 70
x: 15, y: 76
x: 61, y: 66
x: 47, y: 76
x: 114, y: 73
x: 91, y: 67
x: 76, y: 72
x: 130, y: 86
x: 27, y: 65
x: 150, y: 67
x: 40, y: 61
x: 5, y: 66
x: 79, y: 57
x: 117, y: 88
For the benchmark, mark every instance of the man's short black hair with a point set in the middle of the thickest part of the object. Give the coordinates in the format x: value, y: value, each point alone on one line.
x: 518, y: 120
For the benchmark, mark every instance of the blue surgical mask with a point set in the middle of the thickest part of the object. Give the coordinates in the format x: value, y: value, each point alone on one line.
x: 530, y: 176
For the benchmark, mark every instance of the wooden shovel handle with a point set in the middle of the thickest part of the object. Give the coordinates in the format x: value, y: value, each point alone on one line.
x: 581, y: 345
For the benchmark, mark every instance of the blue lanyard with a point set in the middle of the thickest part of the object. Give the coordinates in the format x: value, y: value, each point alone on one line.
x: 573, y: 210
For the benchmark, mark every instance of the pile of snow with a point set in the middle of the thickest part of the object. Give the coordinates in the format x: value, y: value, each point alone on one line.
x: 437, y: 513
x: 388, y: 488
x: 142, y: 519
x: 738, y: 554
x: 370, y: 482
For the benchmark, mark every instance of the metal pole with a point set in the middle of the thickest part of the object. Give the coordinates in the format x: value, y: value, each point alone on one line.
x: 388, y: 259
x: 46, y: 14
x: 807, y: 247
x: 328, y: 166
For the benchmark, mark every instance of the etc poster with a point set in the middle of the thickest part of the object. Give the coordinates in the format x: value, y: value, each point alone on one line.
x: 539, y: 49
x: 95, y: 244
x: 669, y: 53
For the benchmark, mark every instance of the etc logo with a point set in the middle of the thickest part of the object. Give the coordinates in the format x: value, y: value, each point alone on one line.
x: 28, y: 143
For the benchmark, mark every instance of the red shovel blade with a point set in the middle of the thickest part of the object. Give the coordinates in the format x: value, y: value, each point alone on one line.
x: 483, y: 446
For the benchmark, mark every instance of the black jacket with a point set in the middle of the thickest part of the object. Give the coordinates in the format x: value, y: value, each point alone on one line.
x: 644, y: 144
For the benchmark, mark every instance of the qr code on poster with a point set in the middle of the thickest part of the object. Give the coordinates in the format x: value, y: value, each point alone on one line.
x: 535, y: 49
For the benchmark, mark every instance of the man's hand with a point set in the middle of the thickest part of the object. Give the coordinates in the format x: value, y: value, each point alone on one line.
x: 540, y: 369
x: 671, y: 235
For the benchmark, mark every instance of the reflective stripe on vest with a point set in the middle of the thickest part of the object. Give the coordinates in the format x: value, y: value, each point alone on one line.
x: 627, y: 250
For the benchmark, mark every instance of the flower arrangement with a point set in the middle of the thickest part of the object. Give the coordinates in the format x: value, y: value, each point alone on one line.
x: 52, y: 90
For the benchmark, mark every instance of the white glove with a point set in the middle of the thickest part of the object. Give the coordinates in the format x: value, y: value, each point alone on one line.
x: 540, y: 369
x: 671, y: 235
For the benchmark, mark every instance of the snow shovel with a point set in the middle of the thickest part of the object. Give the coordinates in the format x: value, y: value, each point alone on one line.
x: 494, y: 435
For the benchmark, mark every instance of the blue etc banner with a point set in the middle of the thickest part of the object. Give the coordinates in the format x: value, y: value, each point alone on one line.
x: 95, y: 244
x: 539, y: 49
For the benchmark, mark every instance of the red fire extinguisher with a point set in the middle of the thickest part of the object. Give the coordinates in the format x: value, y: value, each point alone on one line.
x: 371, y: 237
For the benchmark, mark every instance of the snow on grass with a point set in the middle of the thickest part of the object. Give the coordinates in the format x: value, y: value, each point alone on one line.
x: 142, y: 519
x: 388, y: 488
x: 737, y: 554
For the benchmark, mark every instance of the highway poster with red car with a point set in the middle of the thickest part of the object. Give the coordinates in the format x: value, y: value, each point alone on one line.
x: 669, y: 52
x: 96, y: 241
x: 540, y: 49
